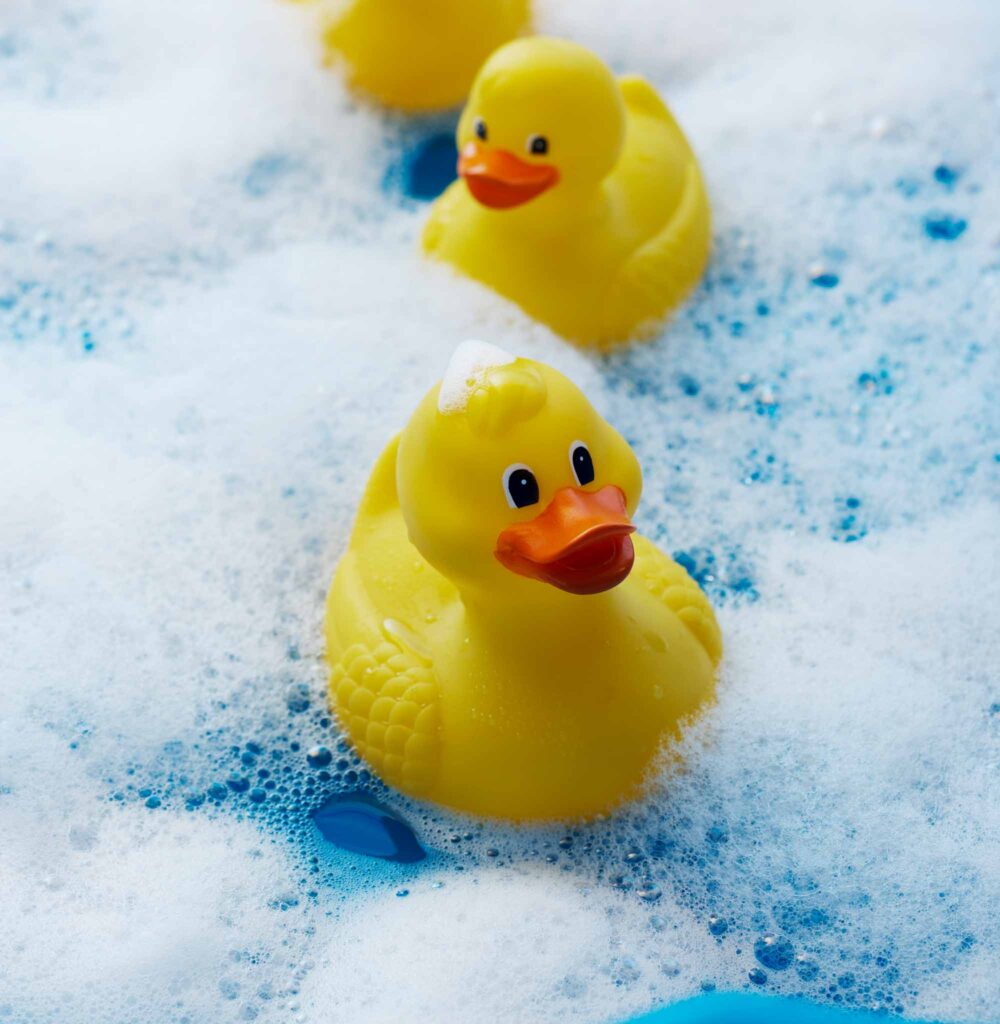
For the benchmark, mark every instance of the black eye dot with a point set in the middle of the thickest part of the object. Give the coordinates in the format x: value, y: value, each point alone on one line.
x: 538, y: 144
x: 522, y: 487
x: 583, y: 465
x: 480, y: 129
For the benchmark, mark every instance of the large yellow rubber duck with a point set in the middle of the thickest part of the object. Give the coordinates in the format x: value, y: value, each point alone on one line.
x: 419, y: 55
x: 501, y: 641
x: 579, y: 197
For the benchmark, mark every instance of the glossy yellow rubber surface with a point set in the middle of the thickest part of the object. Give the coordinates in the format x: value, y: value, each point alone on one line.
x: 419, y: 54
x: 468, y: 684
x: 622, y: 235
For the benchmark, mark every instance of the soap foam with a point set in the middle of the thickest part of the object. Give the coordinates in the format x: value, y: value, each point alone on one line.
x: 467, y: 368
x: 214, y: 320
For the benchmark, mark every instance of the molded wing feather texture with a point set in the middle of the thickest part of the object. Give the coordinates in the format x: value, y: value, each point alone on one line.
x: 388, y: 702
x: 671, y: 583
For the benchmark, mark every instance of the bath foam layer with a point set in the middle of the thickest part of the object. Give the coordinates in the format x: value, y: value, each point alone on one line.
x: 211, y: 319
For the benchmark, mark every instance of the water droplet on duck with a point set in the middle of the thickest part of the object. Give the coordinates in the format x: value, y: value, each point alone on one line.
x: 401, y: 633
x: 655, y: 641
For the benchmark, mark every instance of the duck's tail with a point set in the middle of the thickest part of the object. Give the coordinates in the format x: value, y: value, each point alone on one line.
x: 662, y: 271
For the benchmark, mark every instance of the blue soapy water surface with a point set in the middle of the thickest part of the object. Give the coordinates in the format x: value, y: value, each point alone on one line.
x: 360, y: 824
x: 944, y: 226
x: 424, y: 159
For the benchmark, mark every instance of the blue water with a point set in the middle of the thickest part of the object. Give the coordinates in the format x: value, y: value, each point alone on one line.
x: 425, y: 160
x: 730, y: 1008
x: 360, y: 824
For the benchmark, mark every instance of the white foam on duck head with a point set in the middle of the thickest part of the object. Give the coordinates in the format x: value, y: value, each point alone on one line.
x: 468, y: 365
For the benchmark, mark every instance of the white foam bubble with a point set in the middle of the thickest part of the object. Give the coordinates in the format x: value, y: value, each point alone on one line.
x: 465, y: 370
x: 426, y: 954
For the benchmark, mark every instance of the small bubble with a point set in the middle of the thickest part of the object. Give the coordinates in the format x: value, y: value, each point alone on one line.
x: 319, y: 756
x: 297, y: 698
x: 757, y: 976
x: 774, y: 953
x: 805, y: 967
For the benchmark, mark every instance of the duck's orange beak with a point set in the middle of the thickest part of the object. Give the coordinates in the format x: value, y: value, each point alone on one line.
x: 580, y: 543
x: 500, y: 180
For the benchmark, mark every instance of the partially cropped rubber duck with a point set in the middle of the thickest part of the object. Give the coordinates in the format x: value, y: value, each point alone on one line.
x: 501, y: 640
x: 578, y: 196
x: 418, y: 55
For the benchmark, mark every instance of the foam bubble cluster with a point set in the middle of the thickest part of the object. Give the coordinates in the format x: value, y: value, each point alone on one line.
x: 212, y: 317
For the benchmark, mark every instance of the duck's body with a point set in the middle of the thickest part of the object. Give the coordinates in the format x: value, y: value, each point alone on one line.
x: 419, y: 56
x: 601, y: 260
x: 522, y: 703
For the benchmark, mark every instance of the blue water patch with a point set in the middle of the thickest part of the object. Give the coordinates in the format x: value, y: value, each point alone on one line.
x: 825, y: 279
x: 724, y: 576
x: 944, y: 226
x: 849, y: 524
x: 430, y: 167
x: 357, y: 822
x: 424, y: 159
x: 738, y: 1008
x: 268, y: 172
x: 947, y: 176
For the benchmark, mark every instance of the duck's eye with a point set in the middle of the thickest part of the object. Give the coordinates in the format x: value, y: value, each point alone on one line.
x: 520, y: 486
x: 480, y: 129
x: 538, y: 145
x: 582, y: 463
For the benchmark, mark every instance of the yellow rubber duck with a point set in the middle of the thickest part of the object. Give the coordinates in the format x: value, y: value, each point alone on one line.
x: 501, y: 640
x: 578, y: 196
x: 418, y: 55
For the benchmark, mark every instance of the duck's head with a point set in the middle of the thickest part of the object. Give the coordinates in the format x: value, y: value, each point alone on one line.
x: 544, y: 115
x: 509, y: 479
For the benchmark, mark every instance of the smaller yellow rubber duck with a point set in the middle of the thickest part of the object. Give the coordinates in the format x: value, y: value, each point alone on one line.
x: 501, y: 640
x: 579, y: 197
x: 418, y: 55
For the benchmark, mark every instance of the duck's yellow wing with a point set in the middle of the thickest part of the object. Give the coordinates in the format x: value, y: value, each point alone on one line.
x: 660, y: 273
x: 670, y: 583
x: 382, y: 683
x: 387, y: 701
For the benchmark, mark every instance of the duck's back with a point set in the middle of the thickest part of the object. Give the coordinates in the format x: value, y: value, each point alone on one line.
x: 659, y: 189
x: 651, y: 176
